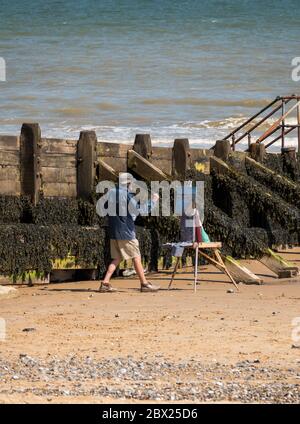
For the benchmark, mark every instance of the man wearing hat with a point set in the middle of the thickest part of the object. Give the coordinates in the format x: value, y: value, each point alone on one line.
x: 123, y: 242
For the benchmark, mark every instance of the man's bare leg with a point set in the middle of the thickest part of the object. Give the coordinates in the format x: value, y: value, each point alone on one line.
x: 145, y: 285
x: 137, y: 262
x: 110, y: 270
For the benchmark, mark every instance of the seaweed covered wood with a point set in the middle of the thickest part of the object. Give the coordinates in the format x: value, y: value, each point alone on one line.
x: 281, y: 220
x: 32, y: 237
x: 25, y: 247
x: 284, y: 164
x: 237, y: 239
x: 284, y: 187
x: 55, y: 210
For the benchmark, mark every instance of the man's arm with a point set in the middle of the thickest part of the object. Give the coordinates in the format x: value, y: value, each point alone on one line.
x: 144, y: 209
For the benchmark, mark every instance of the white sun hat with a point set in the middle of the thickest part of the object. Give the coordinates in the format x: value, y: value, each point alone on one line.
x: 125, y: 178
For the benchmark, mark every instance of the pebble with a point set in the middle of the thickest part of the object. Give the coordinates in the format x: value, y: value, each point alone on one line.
x: 295, y: 346
x: 150, y: 379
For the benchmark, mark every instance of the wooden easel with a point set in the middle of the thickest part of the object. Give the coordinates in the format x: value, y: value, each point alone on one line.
x: 216, y: 260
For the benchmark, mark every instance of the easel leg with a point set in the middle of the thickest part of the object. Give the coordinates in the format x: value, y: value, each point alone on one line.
x: 174, y: 272
x: 196, y: 269
x: 219, y: 257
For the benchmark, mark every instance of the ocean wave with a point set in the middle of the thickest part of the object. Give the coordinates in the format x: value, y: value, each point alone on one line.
x: 195, y: 101
x: 200, y: 134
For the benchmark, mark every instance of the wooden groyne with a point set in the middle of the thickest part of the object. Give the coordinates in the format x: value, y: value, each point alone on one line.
x: 48, y: 218
x: 33, y: 165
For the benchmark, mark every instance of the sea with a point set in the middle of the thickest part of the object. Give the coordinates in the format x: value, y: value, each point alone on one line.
x: 191, y: 69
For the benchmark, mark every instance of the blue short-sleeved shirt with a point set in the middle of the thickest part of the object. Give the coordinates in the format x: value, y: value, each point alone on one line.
x: 122, y: 227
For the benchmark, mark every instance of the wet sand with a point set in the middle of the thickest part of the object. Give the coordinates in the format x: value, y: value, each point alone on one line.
x: 209, y: 346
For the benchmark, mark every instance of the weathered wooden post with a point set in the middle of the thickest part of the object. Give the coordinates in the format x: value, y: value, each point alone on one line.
x: 181, y: 157
x: 30, y: 161
x: 298, y: 122
x: 86, y: 163
x: 289, y: 153
x: 257, y: 151
x: 222, y: 149
x: 143, y: 145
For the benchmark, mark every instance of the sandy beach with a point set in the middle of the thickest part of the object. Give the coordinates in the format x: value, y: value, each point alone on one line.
x: 69, y: 343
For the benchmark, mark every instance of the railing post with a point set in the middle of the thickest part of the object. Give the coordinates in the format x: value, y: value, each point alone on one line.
x: 233, y: 142
x: 249, y: 140
x: 283, y: 124
x: 298, y: 122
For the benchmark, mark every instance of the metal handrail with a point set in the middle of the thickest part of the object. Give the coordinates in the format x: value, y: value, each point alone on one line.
x: 279, y: 137
x: 278, y: 124
x: 252, y: 118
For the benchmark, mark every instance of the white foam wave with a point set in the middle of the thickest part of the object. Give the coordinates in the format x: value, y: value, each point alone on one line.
x: 200, y: 134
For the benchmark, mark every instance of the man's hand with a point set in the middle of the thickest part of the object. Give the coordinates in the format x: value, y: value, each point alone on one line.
x: 155, y: 197
x: 195, y: 245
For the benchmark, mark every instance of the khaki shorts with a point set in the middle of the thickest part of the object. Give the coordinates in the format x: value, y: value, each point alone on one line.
x: 124, y: 249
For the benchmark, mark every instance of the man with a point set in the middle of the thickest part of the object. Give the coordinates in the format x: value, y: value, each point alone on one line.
x: 123, y: 242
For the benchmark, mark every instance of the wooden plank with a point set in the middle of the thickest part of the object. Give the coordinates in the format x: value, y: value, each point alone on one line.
x: 58, y: 160
x: 106, y: 172
x: 166, y: 165
x: 279, y: 265
x: 199, y: 154
x: 86, y: 163
x: 210, y: 245
x: 218, y: 165
x: 11, y: 157
x: 118, y: 164
x: 56, y: 145
x: 59, y: 189
x: 10, y: 187
x: 115, y: 150
x: 9, y: 142
x: 144, y: 168
x: 55, y: 175
x: 8, y: 172
x: 161, y: 153
x: 239, y: 272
